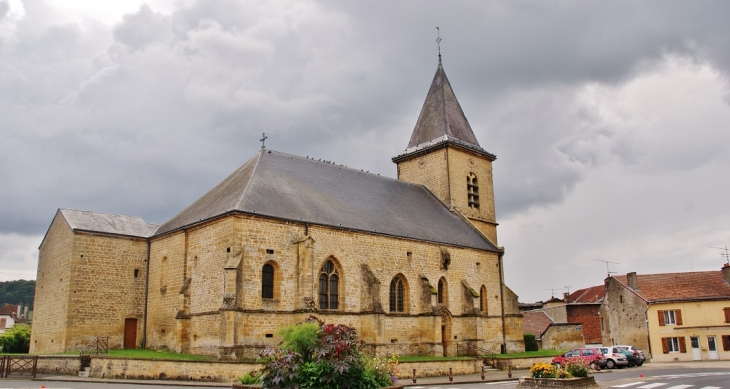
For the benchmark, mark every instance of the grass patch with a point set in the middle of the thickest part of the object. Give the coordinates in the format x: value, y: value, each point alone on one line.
x: 427, y: 358
x: 131, y: 353
x: 528, y: 354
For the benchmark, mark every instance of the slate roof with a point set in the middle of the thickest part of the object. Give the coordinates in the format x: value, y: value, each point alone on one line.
x: 442, y: 120
x: 535, y: 322
x: 593, y: 294
x: 107, y: 223
x: 703, y: 285
x: 300, y: 189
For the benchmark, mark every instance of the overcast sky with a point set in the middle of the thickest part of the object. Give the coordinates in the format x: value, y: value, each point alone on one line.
x: 610, y: 120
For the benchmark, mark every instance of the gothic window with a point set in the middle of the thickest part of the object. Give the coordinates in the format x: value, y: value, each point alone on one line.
x: 329, y: 281
x: 472, y: 190
x: 267, y: 282
x: 483, y: 299
x: 443, y: 295
x: 397, y: 294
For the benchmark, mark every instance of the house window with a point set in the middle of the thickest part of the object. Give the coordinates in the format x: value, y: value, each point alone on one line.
x: 483, y: 299
x: 267, y: 282
x: 670, y: 317
x: 674, y: 345
x: 472, y: 190
x: 329, y: 280
x: 726, y: 342
x: 397, y: 294
x: 443, y: 295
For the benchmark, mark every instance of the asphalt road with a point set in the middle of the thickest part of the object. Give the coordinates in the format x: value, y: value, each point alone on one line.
x: 653, y: 378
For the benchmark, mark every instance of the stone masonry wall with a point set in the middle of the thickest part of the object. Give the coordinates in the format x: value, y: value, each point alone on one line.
x: 429, y: 170
x: 623, y: 314
x: 107, y: 287
x: 52, y: 289
x: 297, y: 258
x: 563, y: 336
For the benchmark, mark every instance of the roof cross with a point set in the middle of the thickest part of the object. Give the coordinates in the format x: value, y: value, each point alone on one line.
x: 438, y: 40
x: 263, y: 140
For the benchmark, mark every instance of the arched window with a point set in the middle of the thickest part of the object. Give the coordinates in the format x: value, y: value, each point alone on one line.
x: 267, y: 282
x: 329, y: 281
x: 483, y: 299
x: 398, y: 294
x: 472, y: 190
x: 443, y: 292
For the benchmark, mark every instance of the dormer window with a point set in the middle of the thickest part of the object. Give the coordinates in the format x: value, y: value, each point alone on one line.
x: 472, y: 190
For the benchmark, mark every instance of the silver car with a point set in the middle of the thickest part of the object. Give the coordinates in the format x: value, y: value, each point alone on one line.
x: 614, y: 357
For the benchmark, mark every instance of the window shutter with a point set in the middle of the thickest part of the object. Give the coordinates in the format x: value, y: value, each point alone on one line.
x: 726, y: 342
x: 678, y: 317
x: 682, y: 345
x: 727, y: 314
x: 661, y: 318
x: 665, y: 345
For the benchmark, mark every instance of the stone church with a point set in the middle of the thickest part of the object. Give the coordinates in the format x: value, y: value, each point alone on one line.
x: 412, y: 263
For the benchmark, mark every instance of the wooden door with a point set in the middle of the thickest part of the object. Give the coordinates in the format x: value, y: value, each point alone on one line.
x: 130, y: 333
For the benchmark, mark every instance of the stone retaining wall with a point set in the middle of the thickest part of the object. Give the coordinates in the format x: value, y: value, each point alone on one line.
x: 215, y: 371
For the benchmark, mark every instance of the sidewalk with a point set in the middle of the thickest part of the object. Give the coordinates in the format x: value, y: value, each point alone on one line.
x: 489, y: 376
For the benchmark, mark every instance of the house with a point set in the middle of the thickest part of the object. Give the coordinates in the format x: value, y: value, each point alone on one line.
x: 673, y: 316
x: 412, y: 263
x: 551, y: 334
x: 11, y: 314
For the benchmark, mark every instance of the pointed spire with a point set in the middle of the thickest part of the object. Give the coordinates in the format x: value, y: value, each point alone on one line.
x: 441, y: 114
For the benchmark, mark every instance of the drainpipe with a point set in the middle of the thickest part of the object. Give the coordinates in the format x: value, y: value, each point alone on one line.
x: 646, y: 321
x: 501, y: 294
x: 146, y: 294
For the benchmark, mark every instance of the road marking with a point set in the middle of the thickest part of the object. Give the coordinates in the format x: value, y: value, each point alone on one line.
x: 710, y: 387
x: 627, y: 385
x: 649, y: 386
x: 670, y: 376
x: 680, y: 386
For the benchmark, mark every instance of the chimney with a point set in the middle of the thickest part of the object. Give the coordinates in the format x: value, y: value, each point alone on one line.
x: 566, y: 297
x: 20, y: 310
x: 726, y: 272
x: 25, y: 313
x: 633, y: 281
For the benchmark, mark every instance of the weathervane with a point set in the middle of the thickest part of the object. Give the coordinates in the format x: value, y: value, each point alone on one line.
x: 263, y: 140
x: 438, y: 40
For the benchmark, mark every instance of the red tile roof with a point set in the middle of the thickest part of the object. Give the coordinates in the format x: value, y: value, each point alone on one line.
x: 535, y: 322
x: 593, y: 294
x: 680, y: 286
x: 8, y: 309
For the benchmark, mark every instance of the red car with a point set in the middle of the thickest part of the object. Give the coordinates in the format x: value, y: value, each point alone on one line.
x: 593, y: 356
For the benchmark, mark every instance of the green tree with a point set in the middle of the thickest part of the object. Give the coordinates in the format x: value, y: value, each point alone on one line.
x: 17, y: 292
x: 16, y: 340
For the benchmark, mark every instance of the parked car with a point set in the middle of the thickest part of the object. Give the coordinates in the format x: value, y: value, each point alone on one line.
x: 637, y: 357
x: 615, y: 357
x: 592, y: 355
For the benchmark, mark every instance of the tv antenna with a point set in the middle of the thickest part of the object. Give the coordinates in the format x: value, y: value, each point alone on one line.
x: 568, y: 287
x: 726, y: 254
x: 552, y: 291
x: 607, y: 262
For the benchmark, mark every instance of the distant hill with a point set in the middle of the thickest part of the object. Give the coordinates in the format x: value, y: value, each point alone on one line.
x: 18, y: 291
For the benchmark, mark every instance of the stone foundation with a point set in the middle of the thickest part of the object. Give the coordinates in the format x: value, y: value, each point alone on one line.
x: 548, y: 383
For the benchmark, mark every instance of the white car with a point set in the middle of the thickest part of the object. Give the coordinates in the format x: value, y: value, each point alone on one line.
x: 614, y: 357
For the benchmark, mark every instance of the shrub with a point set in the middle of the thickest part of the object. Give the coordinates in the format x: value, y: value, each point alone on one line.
x: 335, y: 361
x: 16, y: 339
x: 577, y: 367
x: 530, y: 342
x: 250, y: 378
x: 300, y: 338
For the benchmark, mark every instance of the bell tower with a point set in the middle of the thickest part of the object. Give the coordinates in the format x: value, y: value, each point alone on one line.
x: 445, y: 156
